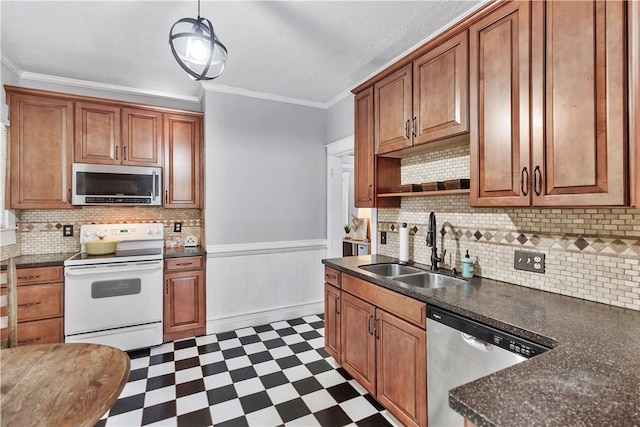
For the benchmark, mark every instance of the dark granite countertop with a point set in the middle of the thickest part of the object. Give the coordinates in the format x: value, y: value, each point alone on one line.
x: 40, y: 260
x: 184, y: 252
x: 590, y: 377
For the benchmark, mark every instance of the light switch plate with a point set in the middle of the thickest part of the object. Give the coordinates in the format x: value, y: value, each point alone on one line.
x: 383, y: 237
x: 529, y: 261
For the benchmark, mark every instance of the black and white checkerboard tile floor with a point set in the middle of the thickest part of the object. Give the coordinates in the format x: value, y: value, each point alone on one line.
x: 271, y: 375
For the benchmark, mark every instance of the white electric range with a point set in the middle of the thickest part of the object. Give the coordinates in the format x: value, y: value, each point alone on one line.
x: 116, y: 299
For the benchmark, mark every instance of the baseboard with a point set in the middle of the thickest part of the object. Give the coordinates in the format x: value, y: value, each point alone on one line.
x: 230, y: 323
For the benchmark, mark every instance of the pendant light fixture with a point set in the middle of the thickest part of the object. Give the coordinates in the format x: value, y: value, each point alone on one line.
x: 196, y: 48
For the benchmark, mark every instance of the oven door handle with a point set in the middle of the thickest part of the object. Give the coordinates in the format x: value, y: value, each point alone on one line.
x: 105, y: 269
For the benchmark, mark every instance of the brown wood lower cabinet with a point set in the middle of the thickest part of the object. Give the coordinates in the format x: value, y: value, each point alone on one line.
x: 382, y: 345
x: 332, y: 321
x: 40, y: 305
x: 184, y: 298
x: 401, y: 351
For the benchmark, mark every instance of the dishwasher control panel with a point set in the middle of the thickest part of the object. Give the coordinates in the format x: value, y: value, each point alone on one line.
x: 486, y: 333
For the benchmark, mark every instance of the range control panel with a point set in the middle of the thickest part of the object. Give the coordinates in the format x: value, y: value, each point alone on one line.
x: 123, y: 232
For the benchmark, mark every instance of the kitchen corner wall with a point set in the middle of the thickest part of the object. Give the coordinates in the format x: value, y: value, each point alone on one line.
x: 591, y: 254
x: 40, y: 231
x: 265, y: 210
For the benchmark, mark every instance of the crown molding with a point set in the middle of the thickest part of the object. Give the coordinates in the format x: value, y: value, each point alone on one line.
x: 86, y: 84
x: 339, y: 98
x: 262, y: 95
x: 47, y: 78
x: 11, y: 66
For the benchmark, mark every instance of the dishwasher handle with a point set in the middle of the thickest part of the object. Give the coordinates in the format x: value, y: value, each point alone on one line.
x: 475, y: 342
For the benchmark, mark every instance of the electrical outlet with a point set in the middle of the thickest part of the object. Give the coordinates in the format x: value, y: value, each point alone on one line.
x: 529, y: 261
x: 383, y: 237
x: 67, y: 230
x: 177, y: 227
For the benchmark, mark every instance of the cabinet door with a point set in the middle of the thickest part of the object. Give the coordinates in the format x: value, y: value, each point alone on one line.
x: 332, y: 321
x: 358, y: 342
x: 364, y: 195
x: 98, y: 134
x: 392, y: 106
x: 184, y: 304
x: 499, y: 107
x: 142, y: 137
x: 401, y: 350
x: 40, y: 152
x: 579, y: 94
x: 182, y: 162
x: 441, y: 91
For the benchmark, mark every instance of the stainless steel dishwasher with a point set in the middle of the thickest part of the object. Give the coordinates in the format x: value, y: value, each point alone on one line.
x: 460, y: 350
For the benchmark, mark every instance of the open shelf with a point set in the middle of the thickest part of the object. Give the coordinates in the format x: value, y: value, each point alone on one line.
x: 427, y: 193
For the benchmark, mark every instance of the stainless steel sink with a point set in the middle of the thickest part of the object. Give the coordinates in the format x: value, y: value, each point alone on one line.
x: 390, y: 270
x: 429, y: 280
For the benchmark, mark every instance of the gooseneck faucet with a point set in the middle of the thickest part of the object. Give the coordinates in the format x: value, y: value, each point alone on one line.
x: 431, y: 242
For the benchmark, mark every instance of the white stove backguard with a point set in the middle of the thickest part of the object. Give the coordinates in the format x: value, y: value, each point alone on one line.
x: 131, y: 236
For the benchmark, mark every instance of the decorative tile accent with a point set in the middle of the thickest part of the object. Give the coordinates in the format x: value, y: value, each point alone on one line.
x: 39, y: 231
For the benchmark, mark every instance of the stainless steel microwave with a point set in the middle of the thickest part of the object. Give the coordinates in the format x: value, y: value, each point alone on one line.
x: 116, y: 185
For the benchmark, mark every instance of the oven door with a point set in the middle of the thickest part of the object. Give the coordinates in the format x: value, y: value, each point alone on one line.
x: 108, y: 296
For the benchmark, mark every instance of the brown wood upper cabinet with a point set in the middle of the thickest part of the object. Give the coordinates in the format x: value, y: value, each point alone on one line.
x: 424, y: 101
x: 41, y: 151
x: 183, y: 163
x: 365, y: 185
x: 570, y: 148
x: 110, y: 134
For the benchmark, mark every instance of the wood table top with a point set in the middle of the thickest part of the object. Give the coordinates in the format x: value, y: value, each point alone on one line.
x: 60, y: 384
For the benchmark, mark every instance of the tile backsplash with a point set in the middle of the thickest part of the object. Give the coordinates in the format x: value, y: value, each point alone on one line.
x: 591, y: 253
x: 40, y: 231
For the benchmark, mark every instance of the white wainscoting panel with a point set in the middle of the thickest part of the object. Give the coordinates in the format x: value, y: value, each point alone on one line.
x: 255, y: 284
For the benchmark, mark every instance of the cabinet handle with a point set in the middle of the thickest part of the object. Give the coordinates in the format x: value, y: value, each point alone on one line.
x: 124, y: 153
x: 413, y: 127
x: 29, y: 304
x: 166, y: 196
x: 338, y: 305
x: 537, y: 172
x: 29, y: 341
x: 117, y: 149
x: 375, y: 329
x: 331, y: 276
x: 523, y: 188
x: 369, y: 324
x: 69, y: 196
x: 369, y: 188
x: 406, y: 129
x: 36, y: 276
x: 184, y: 263
x: 166, y: 287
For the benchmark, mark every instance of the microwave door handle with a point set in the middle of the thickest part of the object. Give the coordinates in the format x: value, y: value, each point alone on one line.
x: 154, y: 187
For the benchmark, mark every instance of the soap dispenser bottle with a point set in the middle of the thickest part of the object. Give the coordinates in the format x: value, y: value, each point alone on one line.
x: 467, y: 266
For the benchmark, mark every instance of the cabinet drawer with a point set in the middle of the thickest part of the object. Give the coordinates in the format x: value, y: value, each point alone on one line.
x: 27, y: 276
x: 402, y: 306
x: 332, y: 276
x: 39, y: 301
x: 187, y: 263
x: 40, y: 332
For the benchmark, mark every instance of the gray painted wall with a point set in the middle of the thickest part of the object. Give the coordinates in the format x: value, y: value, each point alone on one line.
x: 265, y: 170
x: 340, y: 120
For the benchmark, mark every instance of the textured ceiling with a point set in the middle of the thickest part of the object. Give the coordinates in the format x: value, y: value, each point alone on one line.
x: 308, y: 50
